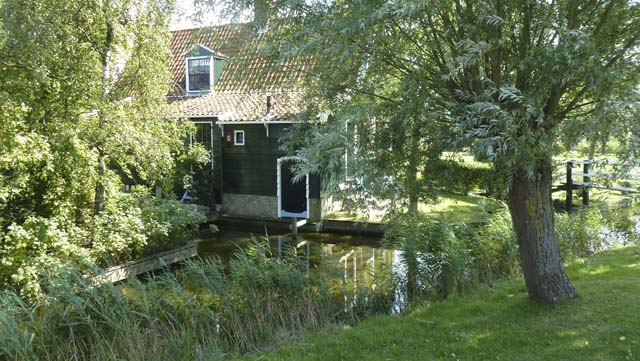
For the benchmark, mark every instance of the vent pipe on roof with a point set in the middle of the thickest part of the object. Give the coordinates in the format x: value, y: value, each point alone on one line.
x: 260, y: 15
x: 269, y: 103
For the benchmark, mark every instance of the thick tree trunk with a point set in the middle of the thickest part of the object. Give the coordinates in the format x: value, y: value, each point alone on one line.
x: 532, y: 214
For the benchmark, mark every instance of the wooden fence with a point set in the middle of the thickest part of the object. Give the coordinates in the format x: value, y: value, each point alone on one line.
x: 592, y: 175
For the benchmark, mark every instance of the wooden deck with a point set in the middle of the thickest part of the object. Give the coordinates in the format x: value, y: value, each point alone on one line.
x: 156, y: 261
x: 326, y: 226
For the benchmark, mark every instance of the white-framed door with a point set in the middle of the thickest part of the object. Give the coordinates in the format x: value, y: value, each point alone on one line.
x: 293, y: 198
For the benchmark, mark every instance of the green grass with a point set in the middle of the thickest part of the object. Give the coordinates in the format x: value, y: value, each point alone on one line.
x: 500, y: 323
x: 454, y: 208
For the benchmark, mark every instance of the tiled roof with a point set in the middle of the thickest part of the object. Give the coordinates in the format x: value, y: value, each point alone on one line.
x: 246, y: 69
x: 240, y: 106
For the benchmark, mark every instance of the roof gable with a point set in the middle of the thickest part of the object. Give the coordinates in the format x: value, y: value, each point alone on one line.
x: 199, y: 50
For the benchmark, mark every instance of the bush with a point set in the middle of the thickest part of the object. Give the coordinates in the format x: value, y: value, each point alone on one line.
x: 39, y: 248
x: 459, y: 178
x: 595, y: 229
x: 167, y: 223
x: 437, y: 259
x: 132, y: 226
x: 495, y: 247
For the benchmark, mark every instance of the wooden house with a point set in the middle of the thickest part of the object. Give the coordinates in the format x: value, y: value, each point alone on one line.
x: 241, y: 104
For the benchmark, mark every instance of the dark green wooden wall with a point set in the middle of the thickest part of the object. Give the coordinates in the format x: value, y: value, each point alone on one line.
x: 248, y: 169
x: 251, y: 169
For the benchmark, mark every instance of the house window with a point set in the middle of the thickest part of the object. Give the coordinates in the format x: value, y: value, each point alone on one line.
x: 199, y: 74
x: 238, y: 137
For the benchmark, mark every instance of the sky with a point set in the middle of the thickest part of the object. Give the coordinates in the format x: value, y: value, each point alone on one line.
x: 184, y: 17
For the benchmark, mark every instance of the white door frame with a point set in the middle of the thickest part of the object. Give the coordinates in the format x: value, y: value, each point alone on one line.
x: 282, y: 213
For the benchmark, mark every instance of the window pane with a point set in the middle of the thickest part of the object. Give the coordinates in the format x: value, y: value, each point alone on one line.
x: 240, y: 138
x: 199, y: 74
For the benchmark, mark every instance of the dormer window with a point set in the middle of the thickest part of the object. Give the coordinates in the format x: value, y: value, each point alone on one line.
x: 199, y: 74
x: 203, y: 69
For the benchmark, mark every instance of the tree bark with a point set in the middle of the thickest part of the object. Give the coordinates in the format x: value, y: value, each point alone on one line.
x: 100, y: 196
x: 99, y: 201
x: 413, y: 188
x: 532, y: 214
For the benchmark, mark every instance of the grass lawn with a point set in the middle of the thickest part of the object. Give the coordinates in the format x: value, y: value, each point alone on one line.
x: 603, y: 323
x: 457, y: 208
x: 454, y: 208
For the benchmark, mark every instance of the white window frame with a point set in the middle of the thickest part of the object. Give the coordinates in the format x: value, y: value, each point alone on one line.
x: 235, y: 139
x: 211, y: 75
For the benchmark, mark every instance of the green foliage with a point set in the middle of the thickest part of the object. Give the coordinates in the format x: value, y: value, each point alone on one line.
x: 438, y: 259
x: 82, y: 97
x: 132, y: 226
x: 38, y: 249
x: 434, y: 260
x: 88, y: 83
x: 595, y: 229
x: 495, y: 247
x: 201, y: 311
x: 167, y: 222
x: 456, y: 177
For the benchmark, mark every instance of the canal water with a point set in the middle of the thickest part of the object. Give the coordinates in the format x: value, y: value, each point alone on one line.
x: 352, y: 260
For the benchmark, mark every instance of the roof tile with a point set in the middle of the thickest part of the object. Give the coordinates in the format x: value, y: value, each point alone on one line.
x: 240, y: 93
x: 240, y: 106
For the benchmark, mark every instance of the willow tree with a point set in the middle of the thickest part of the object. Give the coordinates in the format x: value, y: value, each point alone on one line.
x: 513, y: 78
x: 518, y: 72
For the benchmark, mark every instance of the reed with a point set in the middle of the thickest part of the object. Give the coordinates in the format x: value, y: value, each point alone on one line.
x: 200, y: 311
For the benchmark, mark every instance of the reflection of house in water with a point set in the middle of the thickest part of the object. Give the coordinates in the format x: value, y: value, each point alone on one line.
x: 359, y: 264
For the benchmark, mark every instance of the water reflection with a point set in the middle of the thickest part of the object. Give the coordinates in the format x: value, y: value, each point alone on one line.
x: 347, y: 262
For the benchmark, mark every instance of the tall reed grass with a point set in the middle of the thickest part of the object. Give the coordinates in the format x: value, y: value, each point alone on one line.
x: 200, y: 311
x: 437, y: 258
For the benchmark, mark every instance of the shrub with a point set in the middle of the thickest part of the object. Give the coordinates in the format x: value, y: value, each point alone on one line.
x: 39, y: 248
x: 167, y: 223
x: 437, y: 258
x: 132, y: 226
x: 494, y: 247
x: 595, y: 229
x: 461, y: 178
